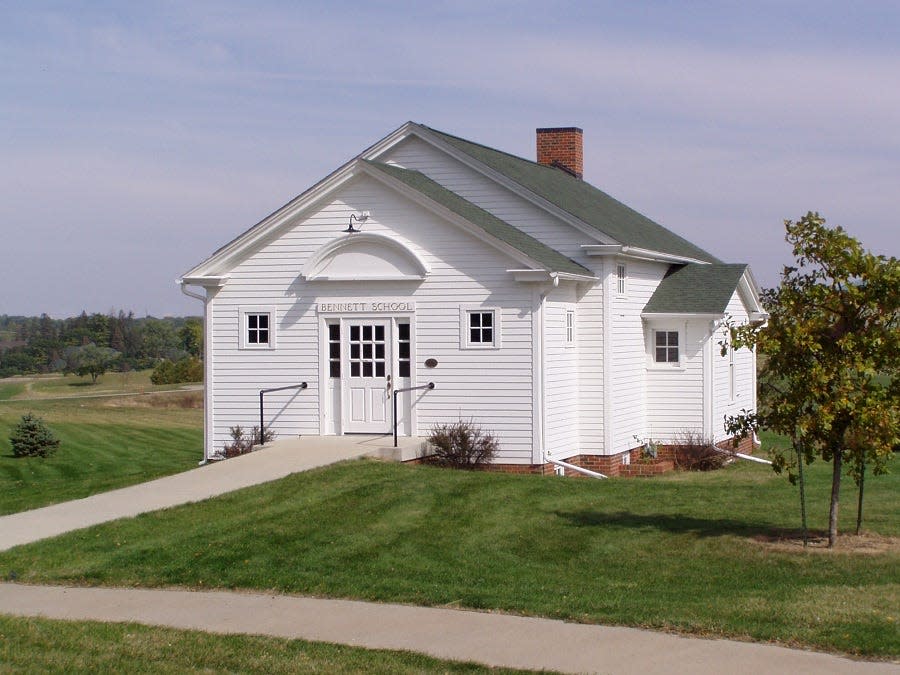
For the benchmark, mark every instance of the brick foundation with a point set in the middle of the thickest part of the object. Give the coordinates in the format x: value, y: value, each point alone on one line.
x: 613, y: 465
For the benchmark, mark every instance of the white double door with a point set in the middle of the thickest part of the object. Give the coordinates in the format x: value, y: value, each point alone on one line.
x: 369, y: 379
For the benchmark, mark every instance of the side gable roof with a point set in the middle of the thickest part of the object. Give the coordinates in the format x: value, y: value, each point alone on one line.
x: 696, y: 289
x: 549, y: 258
x: 580, y: 199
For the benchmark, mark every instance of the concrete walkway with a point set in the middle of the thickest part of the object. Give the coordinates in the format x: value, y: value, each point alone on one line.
x: 491, y: 639
x: 271, y: 462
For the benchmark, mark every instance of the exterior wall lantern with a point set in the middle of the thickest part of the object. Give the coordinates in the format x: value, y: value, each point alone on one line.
x: 361, y: 218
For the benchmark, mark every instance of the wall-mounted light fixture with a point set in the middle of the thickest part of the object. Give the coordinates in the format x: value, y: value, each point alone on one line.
x: 361, y: 218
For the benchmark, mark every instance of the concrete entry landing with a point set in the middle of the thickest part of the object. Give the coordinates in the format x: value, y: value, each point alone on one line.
x: 270, y: 462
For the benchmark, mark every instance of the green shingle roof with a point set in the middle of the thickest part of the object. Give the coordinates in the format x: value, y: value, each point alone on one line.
x: 696, y: 289
x: 581, y: 200
x: 550, y: 259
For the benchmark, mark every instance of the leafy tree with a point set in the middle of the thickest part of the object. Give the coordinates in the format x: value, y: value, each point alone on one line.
x: 191, y: 337
x: 830, y: 376
x: 32, y: 438
x: 90, y: 360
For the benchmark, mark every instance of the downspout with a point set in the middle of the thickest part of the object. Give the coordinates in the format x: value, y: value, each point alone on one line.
x: 207, y: 367
x: 586, y: 472
x: 542, y: 309
x: 741, y: 455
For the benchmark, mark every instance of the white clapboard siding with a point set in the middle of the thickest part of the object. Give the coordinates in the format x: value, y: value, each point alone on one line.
x: 628, y: 360
x: 492, y: 387
x: 414, y: 153
x: 561, y: 376
x: 675, y: 395
x: 744, y: 364
x: 589, y: 337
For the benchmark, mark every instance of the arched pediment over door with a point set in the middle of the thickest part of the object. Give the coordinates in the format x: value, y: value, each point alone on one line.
x: 365, y: 256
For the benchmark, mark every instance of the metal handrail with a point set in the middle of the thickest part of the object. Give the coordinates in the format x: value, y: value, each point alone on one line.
x: 302, y: 385
x: 430, y: 385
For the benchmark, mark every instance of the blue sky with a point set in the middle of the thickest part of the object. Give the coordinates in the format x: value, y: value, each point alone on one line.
x: 139, y: 137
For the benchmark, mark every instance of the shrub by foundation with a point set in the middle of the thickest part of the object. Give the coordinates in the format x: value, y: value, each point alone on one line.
x: 694, y: 452
x: 461, y: 445
x: 242, y: 443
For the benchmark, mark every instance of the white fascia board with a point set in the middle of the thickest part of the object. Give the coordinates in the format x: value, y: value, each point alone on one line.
x: 508, y: 183
x: 447, y: 214
x: 206, y: 282
x: 547, y: 276
x: 599, y: 251
x: 648, y: 316
x: 246, y: 241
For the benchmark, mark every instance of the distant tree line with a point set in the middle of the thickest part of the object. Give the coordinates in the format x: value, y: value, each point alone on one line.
x: 90, y: 344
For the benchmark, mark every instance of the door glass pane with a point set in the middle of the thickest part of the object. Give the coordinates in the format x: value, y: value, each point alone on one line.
x: 354, y: 368
x: 403, y: 331
x: 354, y: 332
x: 379, y: 332
x: 354, y: 351
x: 379, y: 369
x: 367, y: 332
x: 367, y: 368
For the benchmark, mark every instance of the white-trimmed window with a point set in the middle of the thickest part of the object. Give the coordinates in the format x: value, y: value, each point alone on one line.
x: 480, y: 328
x: 570, y: 327
x: 666, y: 346
x: 257, y: 327
x: 620, y: 279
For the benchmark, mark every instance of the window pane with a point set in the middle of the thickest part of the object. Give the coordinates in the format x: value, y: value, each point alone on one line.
x: 379, y: 332
x: 379, y: 369
x: 379, y: 351
x: 354, y: 351
x: 673, y: 338
x: 367, y: 369
x: 487, y: 319
x: 660, y: 339
x: 403, y: 368
x: 334, y: 332
x: 475, y: 320
x: 354, y: 369
x: 660, y: 354
x: 263, y: 320
x: 354, y: 333
x: 404, y: 350
x: 263, y: 337
x: 487, y: 335
x: 673, y: 354
x: 474, y: 335
x: 367, y: 332
x: 334, y: 369
x: 252, y: 320
x: 334, y: 350
x: 403, y: 331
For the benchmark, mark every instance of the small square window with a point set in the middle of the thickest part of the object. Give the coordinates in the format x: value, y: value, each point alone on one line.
x: 666, y: 346
x: 257, y: 328
x: 480, y: 329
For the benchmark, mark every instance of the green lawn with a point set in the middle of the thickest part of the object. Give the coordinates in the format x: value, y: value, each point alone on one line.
x: 44, y: 646
x: 54, y: 386
x: 681, y: 552
x: 106, y: 443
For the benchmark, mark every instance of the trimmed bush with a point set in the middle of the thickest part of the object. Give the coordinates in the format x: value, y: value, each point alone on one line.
x: 31, y: 437
x: 188, y: 369
x: 461, y: 445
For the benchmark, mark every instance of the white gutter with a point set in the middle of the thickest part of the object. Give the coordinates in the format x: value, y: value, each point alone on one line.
x: 586, y: 472
x: 207, y: 365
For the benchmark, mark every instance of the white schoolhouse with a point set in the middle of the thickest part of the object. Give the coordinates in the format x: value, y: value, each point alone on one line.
x: 554, y: 316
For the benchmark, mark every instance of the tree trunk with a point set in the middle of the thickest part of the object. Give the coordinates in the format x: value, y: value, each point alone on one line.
x: 802, y: 499
x: 862, y: 484
x: 835, y: 495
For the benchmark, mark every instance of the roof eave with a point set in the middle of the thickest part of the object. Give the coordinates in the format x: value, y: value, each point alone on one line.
x: 635, y: 253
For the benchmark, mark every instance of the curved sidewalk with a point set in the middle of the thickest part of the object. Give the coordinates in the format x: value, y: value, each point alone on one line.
x: 491, y: 639
x: 271, y: 462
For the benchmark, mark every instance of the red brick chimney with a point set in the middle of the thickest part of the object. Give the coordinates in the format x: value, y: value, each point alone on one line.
x: 563, y: 148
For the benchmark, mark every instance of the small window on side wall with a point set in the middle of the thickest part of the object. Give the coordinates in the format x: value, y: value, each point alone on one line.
x: 257, y: 328
x: 480, y: 328
x: 665, y: 346
x: 570, y: 327
x: 620, y: 279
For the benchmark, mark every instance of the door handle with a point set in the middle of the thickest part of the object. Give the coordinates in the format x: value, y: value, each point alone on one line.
x: 389, y: 386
